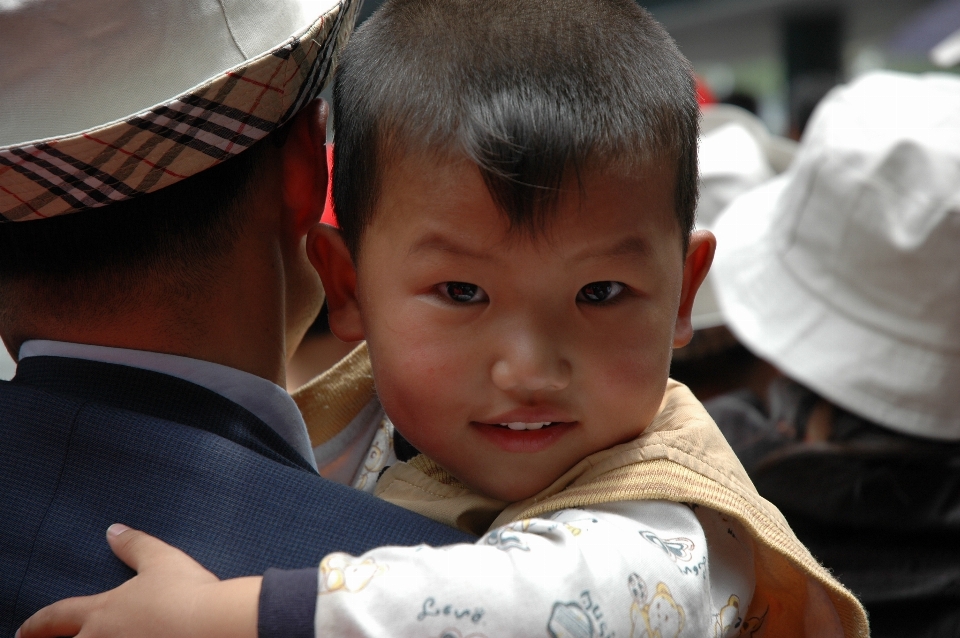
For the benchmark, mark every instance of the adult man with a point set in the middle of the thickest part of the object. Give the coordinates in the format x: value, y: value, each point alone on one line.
x: 180, y: 161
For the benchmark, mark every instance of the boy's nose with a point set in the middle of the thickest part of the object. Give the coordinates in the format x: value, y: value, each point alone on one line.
x: 531, y: 367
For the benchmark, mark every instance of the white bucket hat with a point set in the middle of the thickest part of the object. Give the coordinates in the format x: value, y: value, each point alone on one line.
x: 736, y: 154
x: 105, y: 100
x: 947, y: 53
x: 844, y: 272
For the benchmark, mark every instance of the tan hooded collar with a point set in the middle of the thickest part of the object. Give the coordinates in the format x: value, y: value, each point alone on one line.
x: 681, y: 457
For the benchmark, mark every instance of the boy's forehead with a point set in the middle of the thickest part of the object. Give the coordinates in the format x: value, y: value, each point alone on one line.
x: 439, y: 197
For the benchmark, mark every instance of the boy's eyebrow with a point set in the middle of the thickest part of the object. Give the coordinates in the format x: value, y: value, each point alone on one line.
x: 437, y: 242
x: 634, y: 245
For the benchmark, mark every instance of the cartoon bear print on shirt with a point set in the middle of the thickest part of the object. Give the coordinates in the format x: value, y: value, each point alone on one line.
x: 728, y: 618
x: 343, y: 572
x: 656, y: 616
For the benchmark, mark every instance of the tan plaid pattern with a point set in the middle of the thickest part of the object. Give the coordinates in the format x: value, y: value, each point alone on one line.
x: 177, y: 139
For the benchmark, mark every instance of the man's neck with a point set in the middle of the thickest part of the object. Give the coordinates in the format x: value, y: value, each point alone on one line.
x: 237, y: 320
x: 219, y: 344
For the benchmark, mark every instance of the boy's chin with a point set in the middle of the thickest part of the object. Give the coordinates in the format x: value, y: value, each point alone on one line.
x: 512, y: 491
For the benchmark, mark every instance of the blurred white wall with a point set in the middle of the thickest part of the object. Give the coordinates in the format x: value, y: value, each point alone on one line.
x: 739, y: 44
x: 731, y: 30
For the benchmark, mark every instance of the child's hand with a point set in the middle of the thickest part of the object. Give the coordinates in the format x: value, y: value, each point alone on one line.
x: 172, y: 595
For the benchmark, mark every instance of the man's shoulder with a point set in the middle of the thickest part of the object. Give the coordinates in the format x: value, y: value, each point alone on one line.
x: 19, y: 402
x: 72, y: 465
x: 66, y: 442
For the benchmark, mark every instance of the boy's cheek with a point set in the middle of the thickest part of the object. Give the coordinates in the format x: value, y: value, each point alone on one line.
x: 631, y: 375
x: 632, y: 351
x: 421, y: 372
x: 425, y: 397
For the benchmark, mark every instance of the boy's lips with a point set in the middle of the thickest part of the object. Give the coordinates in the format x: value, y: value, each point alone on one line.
x: 525, y: 429
x: 528, y: 417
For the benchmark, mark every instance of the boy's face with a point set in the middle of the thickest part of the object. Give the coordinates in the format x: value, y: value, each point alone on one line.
x: 473, y: 327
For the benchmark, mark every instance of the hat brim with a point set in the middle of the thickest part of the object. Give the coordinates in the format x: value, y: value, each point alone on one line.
x: 180, y: 137
x: 894, y: 382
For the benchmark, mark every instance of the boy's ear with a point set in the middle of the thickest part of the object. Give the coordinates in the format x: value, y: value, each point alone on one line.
x: 329, y: 255
x: 304, y: 161
x: 695, y: 267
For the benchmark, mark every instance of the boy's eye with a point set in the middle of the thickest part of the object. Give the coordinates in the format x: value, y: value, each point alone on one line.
x: 463, y: 292
x: 599, y: 291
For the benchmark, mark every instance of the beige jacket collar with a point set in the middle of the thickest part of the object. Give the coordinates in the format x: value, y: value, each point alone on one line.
x: 680, y: 457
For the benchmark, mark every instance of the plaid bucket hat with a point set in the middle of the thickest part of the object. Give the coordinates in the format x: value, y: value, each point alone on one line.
x: 105, y: 100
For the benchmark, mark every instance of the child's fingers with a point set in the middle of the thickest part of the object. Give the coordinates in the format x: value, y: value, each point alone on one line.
x: 141, y: 551
x: 165, y: 575
x: 63, y: 618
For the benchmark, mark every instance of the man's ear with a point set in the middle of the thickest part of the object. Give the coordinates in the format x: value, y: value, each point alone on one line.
x: 304, y: 167
x: 695, y: 267
x: 329, y: 255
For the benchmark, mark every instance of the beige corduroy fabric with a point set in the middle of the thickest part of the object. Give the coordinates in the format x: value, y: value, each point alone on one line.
x: 681, y: 457
x: 329, y: 402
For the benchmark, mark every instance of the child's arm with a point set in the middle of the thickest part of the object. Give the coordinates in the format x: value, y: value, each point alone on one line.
x: 172, y: 595
x: 619, y: 569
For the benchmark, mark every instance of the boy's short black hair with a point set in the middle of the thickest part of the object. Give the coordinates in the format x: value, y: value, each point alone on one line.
x: 532, y: 91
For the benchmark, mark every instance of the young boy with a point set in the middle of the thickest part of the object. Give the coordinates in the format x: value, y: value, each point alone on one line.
x: 515, y: 185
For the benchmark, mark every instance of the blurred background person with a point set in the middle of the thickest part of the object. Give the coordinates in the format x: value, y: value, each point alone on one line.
x: 844, y: 274
x: 736, y: 154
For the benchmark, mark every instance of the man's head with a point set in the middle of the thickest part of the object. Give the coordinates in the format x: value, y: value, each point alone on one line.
x: 92, y: 264
x: 516, y: 243
x: 167, y: 207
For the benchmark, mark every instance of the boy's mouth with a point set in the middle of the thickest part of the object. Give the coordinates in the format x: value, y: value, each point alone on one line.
x: 529, y: 418
x: 524, y: 436
x: 519, y: 425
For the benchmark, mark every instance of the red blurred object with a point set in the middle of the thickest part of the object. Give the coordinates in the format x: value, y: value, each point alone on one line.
x: 704, y: 94
x: 328, y: 216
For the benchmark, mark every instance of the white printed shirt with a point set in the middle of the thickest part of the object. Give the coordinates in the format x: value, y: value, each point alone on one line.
x: 635, y: 569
